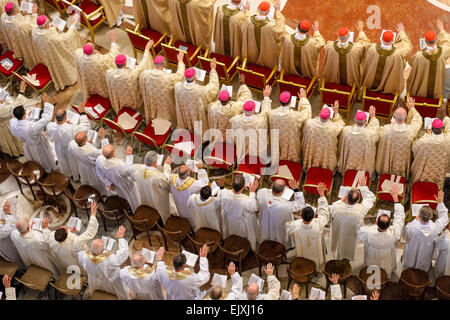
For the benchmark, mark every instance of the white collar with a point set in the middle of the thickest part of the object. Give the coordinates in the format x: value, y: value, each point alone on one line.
x: 232, y: 6
x: 386, y: 47
x: 248, y: 117
x: 358, y: 127
x: 343, y: 44
x: 431, y: 48
x: 300, y: 36
x: 259, y: 17
x: 189, y: 83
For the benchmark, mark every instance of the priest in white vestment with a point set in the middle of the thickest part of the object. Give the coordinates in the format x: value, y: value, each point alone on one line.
x: 92, y: 67
x: 347, y: 216
x: 206, y: 210
x: 61, y: 133
x: 122, y: 81
x: 442, y: 266
x: 183, y: 186
x: 8, y: 250
x: 117, y: 176
x: 192, y: 99
x: 153, y: 184
x: 36, y: 146
x: 380, y: 238
x: 240, y: 210
x: 85, y: 154
x: 103, y: 267
x: 140, y: 279
x: 32, y: 246
x: 66, y: 244
x: 56, y: 50
x: 157, y: 89
x: 308, y: 231
x: 275, y: 211
x: 420, y: 235
x: 181, y: 283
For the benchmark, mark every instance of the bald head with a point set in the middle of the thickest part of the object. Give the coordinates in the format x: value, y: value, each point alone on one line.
x: 278, y: 187
x: 252, y: 291
x: 108, y: 151
x: 215, y: 293
x: 60, y: 116
x: 22, y: 225
x: 138, y: 260
x: 400, y: 115
x: 81, y: 138
x: 184, y: 172
x: 97, y: 247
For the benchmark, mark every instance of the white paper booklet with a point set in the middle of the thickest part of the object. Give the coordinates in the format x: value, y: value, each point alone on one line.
x: 316, y: 294
x: 37, y: 224
x: 343, y: 191
x: 131, y: 62
x: 359, y: 297
x: 293, y: 102
x: 352, y: 36
x: 129, y: 159
x: 416, y: 208
x: 228, y: 88
x: 149, y: 255
x: 285, y: 295
x: 257, y: 106
x: 167, y: 70
x: 35, y: 113
x: 160, y: 126
x: 287, y: 193
x: 183, y: 48
x: 255, y: 279
x: 249, y: 179
x: 192, y: 164
x: 331, y: 110
x: 428, y: 122
x: 91, y: 112
x: 191, y: 258
x: 386, y: 212
x: 422, y: 43
x: 4, y: 94
x: 200, y: 74
x: 186, y: 147
x: 214, y: 188
x: 108, y: 243
x: 72, y: 117
x: 219, y: 280
x: 27, y: 7
x: 314, y: 208
x: 128, y: 3
x: 59, y: 23
x: 74, y: 222
x: 126, y: 121
x: 99, y: 108
x: 92, y: 136
x: 159, y: 162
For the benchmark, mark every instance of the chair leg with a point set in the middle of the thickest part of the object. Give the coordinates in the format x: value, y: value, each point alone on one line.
x: 327, y: 286
x: 91, y: 31
x: 288, y: 284
x: 307, y: 290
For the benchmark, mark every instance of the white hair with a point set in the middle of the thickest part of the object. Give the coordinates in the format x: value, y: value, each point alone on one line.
x: 96, y: 249
x: 137, y: 259
x: 22, y: 225
x: 150, y: 158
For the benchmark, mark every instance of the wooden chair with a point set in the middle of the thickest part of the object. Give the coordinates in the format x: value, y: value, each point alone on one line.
x: 383, y: 103
x: 102, y: 295
x: 414, y: 282
x: 27, y: 174
x: 293, y: 83
x: 55, y: 5
x: 235, y: 248
x: 8, y: 267
x: 139, y: 38
x: 42, y: 74
x: 349, y: 177
x: 53, y: 185
x: 36, y: 278
x: 386, y: 195
x: 91, y: 15
x: 175, y: 229
x: 61, y: 285
x: 316, y: 175
x: 143, y: 220
x: 226, y: 66
x: 257, y: 77
x: 294, y: 167
x: 364, y: 275
x: 113, y: 208
x: 426, y: 107
x: 301, y: 270
x: 207, y: 236
x: 7, y: 75
x: 346, y: 95
x: 83, y: 198
x: 172, y: 49
x: 222, y: 156
x: 151, y: 139
x: 342, y: 268
x: 93, y: 101
x: 128, y: 132
x: 270, y: 251
x: 443, y: 287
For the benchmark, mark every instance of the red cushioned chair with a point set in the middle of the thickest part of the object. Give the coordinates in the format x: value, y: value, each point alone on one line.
x: 226, y: 66
x: 293, y: 83
x: 252, y: 165
x: 42, y: 74
x: 140, y: 37
x: 383, y: 103
x: 386, y: 195
x: 349, y: 177
x: 426, y: 107
x: 179, y: 137
x: 114, y: 124
x: 55, y: 5
x: 346, y: 95
x: 316, y: 175
x: 91, y: 15
x: 223, y: 156
x: 257, y: 77
x: 294, y: 167
x: 171, y: 50
x: 424, y: 192
x: 149, y: 137
x: 8, y: 74
x: 92, y: 102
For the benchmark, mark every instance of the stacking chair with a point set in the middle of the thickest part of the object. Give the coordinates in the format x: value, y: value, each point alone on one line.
x: 27, y: 174
x: 222, y: 156
x: 383, y: 103
x: 102, y: 295
x: 7, y: 267
x: 61, y: 285
x: 226, y: 66
x: 16, y: 67
x: 443, y: 287
x: 301, y: 270
x: 235, y: 248
x: 172, y: 49
x: 386, y: 195
x: 346, y: 95
x: 143, y: 220
x: 42, y: 74
x: 55, y: 5
x: 36, y: 278
x: 92, y: 102
x: 364, y: 276
x: 316, y: 175
x: 207, y: 236
x: 151, y: 139
x: 257, y: 77
x: 113, y: 208
x: 342, y: 268
x: 83, y: 198
x: 270, y: 251
x: 427, y: 107
x: 414, y: 282
x: 139, y: 38
x: 176, y: 229
x: 53, y: 185
x: 293, y: 83
x: 294, y: 167
x: 127, y: 132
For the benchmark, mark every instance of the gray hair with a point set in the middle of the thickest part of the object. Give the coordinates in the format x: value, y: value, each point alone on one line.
x: 97, y: 247
x: 360, y: 123
x: 22, y: 225
x: 426, y: 213
x: 137, y: 259
x: 150, y: 158
x: 400, y: 115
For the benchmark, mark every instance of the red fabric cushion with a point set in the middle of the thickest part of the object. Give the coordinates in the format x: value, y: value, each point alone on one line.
x: 42, y: 74
x: 93, y: 101
x: 330, y: 97
x: 350, y: 175
x: 16, y: 63
x: 316, y: 175
x: 251, y: 164
x: 225, y: 152
x: 294, y: 167
x: 150, y: 132
x: 257, y: 81
x: 227, y: 61
x: 297, y: 80
x: 154, y: 35
x: 424, y: 191
x: 383, y: 108
x: 89, y: 7
x: 387, y: 196
x: 131, y: 112
x: 428, y: 111
x: 171, y: 54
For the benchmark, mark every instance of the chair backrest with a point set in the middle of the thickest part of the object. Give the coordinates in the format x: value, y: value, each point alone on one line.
x: 383, y: 103
x: 114, y: 125
x: 330, y: 92
x: 252, y: 78
x: 212, y: 245
x: 427, y: 107
x: 172, y: 235
x: 233, y: 255
x: 145, y: 139
x: 221, y: 68
x: 171, y: 52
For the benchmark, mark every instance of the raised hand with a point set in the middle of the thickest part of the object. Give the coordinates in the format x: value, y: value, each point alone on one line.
x: 45, y: 223
x: 94, y: 208
x: 267, y: 91
x: 334, y: 278
x: 81, y: 107
x: 440, y: 24
x: 168, y: 160
x: 321, y: 189
x: 199, y: 164
x: 23, y: 86
x: 440, y: 196
x: 294, y: 291
x: 372, y: 111
x: 75, y: 18
x: 400, y: 27
x: 254, y: 185
x: 247, y: 6
x: 149, y: 45
x: 269, y: 269
x: 221, y: 181
x: 241, y: 78
x: 293, y: 184
x: 315, y: 26
x: 120, y: 232
x: 410, y: 103
x: 102, y: 133
x: 180, y: 56
x: 213, y: 64
x: 360, y: 26
x: 129, y: 151
x: 231, y: 268
x: 7, y: 207
x: 6, y: 281
x: 160, y: 253
x: 336, y: 107
x: 203, y: 251
x: 45, y: 97
x: 362, y: 181
x: 302, y: 93
x: 394, y: 192
x: 375, y: 295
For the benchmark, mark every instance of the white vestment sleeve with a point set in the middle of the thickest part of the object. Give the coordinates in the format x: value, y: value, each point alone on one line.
x: 236, y: 287
x: 323, y: 211
x: 101, y: 176
x: 368, y: 199
x: 299, y: 202
x: 47, y: 115
x: 252, y: 203
x: 203, y: 274
x: 122, y: 254
x: 90, y: 231
x: 274, y: 288
x: 84, y: 125
x: 104, y: 142
x: 202, y: 177
x: 442, y: 220
x: 162, y: 274
x: 399, y: 220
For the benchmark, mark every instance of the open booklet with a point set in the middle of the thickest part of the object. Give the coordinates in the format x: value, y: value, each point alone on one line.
x: 59, y: 23
x: 219, y: 280
x: 192, y: 164
x: 200, y: 74
x: 191, y: 258
x: 228, y: 88
x: 255, y: 279
x: 37, y: 224
x: 416, y: 208
x: 108, y: 243
x: 27, y: 7
x: 381, y: 212
x: 214, y: 188
x: 285, y: 295
x: 74, y: 222
x: 287, y: 193
x: 343, y: 191
x: 92, y: 136
x: 131, y: 62
x: 149, y: 255
x: 185, y: 147
x: 73, y: 117
x: 316, y: 294
x: 428, y: 123
x: 257, y: 106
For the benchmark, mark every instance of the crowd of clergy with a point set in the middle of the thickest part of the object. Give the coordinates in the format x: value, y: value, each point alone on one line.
x: 244, y: 209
